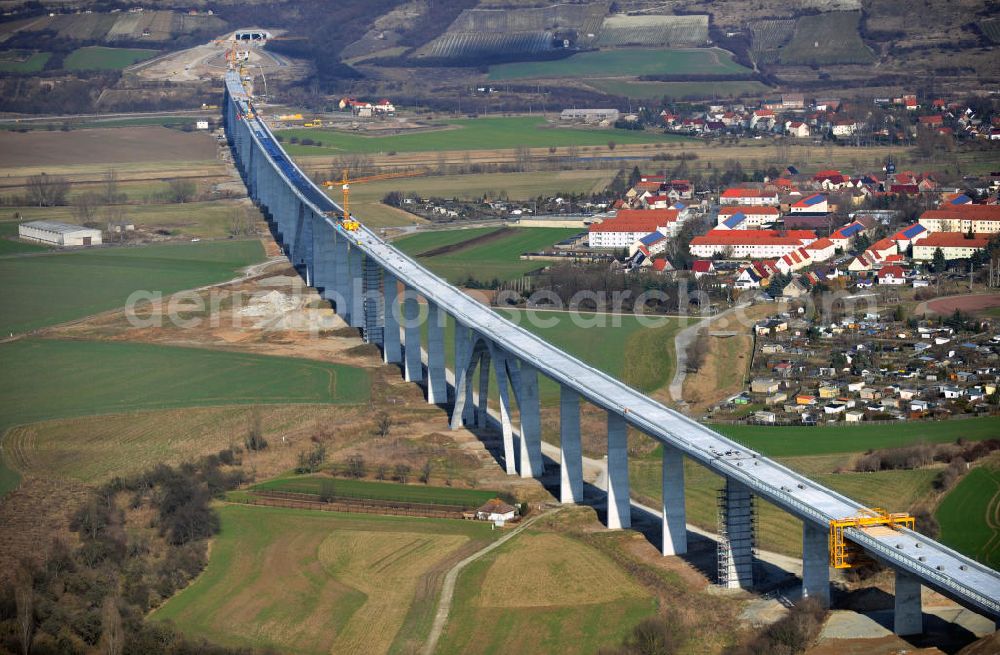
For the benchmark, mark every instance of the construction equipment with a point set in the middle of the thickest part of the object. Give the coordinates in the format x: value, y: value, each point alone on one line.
x: 345, y: 184
x: 845, y: 554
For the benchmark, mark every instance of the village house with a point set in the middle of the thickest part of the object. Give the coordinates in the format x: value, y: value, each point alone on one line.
x: 496, y: 511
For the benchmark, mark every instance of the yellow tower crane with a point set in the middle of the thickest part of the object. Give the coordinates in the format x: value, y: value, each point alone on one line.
x: 345, y: 184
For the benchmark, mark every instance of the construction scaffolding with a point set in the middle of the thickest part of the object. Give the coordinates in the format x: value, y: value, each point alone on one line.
x: 737, y: 536
x: 374, y: 308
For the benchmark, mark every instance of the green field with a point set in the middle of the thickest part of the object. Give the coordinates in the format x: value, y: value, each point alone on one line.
x: 468, y: 134
x: 102, y: 58
x: 322, y: 582
x: 827, y: 38
x: 50, y: 289
x: 970, y: 516
x: 677, y: 90
x: 498, y: 258
x: 22, y: 62
x: 414, y: 244
x: 630, y: 62
x: 793, y: 441
x: 408, y: 493
x: 543, y: 592
x: 8, y: 231
x: 48, y: 379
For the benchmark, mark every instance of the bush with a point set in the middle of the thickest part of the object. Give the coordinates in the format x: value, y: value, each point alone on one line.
x: 309, y: 462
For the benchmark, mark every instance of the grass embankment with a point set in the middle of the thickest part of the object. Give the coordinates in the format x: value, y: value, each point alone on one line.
x: 970, y: 516
x: 498, y: 258
x: 319, y: 582
x: 389, y: 491
x: 49, y: 379
x: 677, y: 90
x: 468, y: 134
x: 102, y: 58
x: 49, y: 289
x: 631, y: 61
x: 545, y: 593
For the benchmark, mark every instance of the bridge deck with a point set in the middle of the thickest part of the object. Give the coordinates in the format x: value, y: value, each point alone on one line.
x: 938, y: 566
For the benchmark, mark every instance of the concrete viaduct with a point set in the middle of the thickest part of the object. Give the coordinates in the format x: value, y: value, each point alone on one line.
x: 376, y: 288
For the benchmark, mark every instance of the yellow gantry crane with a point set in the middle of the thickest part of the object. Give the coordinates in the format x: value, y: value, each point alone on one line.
x: 843, y: 553
x: 349, y: 223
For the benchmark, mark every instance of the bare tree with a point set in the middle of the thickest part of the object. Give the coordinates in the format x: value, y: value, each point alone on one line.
x: 383, y: 425
x: 402, y: 473
x: 85, y: 208
x: 181, y: 191
x: 241, y: 223
x: 356, y: 466
x: 381, y: 471
x: 425, y: 472
x: 47, y: 190
x: 522, y: 157
x: 111, y: 193
x: 112, y: 632
x: 24, y: 597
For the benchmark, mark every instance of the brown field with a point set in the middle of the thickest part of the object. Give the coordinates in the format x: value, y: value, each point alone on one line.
x: 536, y: 572
x: 971, y: 304
x: 386, y: 567
x: 104, y: 146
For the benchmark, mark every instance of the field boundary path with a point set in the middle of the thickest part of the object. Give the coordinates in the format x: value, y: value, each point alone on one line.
x: 682, y: 341
x: 448, y: 589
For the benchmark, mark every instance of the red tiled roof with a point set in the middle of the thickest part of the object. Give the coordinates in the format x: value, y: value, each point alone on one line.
x: 975, y: 212
x: 954, y: 240
x: 820, y: 244
x: 754, y: 237
x: 729, y: 210
x: 702, y: 266
x: 746, y: 193
x: 892, y: 271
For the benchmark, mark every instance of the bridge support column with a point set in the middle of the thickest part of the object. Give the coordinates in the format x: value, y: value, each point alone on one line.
x: 437, y: 385
x: 374, y: 311
x: 356, y: 278
x: 464, y: 364
x: 532, y: 464
x: 324, y: 272
x: 482, y: 411
x: 816, y: 563
x: 619, y: 504
x: 342, y: 276
x: 412, y: 368
x: 570, y: 451
x: 390, y: 336
x: 674, y: 511
x: 909, y: 618
x: 501, y: 371
x: 736, y: 536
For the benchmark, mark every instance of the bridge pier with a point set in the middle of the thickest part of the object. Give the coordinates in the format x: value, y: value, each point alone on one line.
x: 391, y: 352
x: 374, y: 320
x: 570, y: 450
x: 464, y: 366
x: 482, y: 417
x: 816, y: 563
x: 304, y: 244
x: 437, y: 385
x: 736, y: 536
x: 324, y: 267
x: 619, y: 503
x: 908, y: 619
x: 532, y: 464
x: 502, y: 372
x: 412, y: 366
x: 342, y: 276
x: 356, y: 259
x: 674, y: 512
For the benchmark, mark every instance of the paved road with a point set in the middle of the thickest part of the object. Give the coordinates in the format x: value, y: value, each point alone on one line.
x: 682, y: 342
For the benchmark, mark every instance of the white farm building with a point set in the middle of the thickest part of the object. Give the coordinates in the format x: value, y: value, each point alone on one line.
x: 59, y: 234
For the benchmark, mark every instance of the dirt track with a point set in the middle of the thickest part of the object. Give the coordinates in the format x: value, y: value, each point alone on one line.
x: 458, y: 247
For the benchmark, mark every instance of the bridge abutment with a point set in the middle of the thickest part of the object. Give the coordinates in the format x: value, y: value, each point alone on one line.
x: 619, y: 503
x: 674, y: 514
x: 570, y: 450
